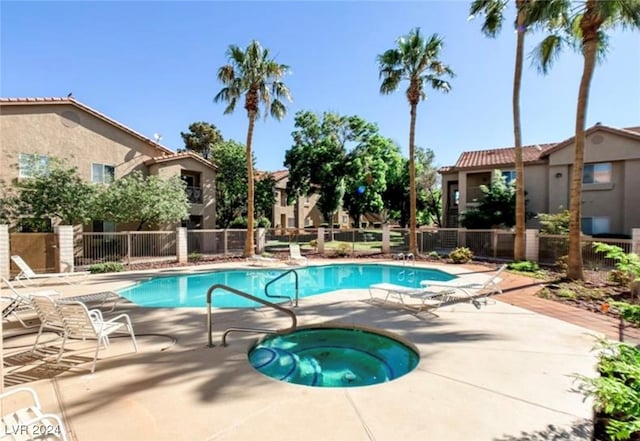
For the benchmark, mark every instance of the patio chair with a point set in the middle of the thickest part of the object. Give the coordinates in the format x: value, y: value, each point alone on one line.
x: 475, y: 292
x: 17, y: 305
x: 49, y: 315
x: 30, y: 276
x: 295, y: 256
x: 80, y: 323
x: 258, y: 260
x: 428, y: 298
x: 29, y: 422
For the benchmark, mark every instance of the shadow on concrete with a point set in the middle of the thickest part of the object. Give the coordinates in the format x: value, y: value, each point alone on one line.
x: 580, y: 430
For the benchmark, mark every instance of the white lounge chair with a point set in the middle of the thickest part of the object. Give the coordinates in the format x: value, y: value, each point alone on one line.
x: 475, y: 292
x: 428, y: 298
x: 30, y: 276
x: 80, y: 323
x: 30, y: 422
x: 258, y: 260
x: 19, y: 305
x: 295, y: 256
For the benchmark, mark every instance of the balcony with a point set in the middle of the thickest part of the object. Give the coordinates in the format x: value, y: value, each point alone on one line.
x: 194, y: 194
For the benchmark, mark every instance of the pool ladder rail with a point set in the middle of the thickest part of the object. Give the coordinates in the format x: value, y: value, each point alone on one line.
x: 219, y: 286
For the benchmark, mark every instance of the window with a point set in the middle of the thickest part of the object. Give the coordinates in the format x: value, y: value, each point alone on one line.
x: 345, y: 219
x: 32, y: 164
x: 291, y: 222
x: 103, y: 174
x: 595, y: 225
x: 104, y: 227
x: 597, y: 173
x: 510, y: 175
x: 283, y: 198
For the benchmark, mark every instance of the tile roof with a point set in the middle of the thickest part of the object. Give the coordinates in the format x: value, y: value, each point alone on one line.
x: 497, y: 157
x: 72, y: 101
x: 181, y: 155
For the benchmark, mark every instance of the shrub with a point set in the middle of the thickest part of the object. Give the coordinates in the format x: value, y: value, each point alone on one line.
x: 627, y: 265
x: 461, y: 255
x: 313, y: 243
x: 566, y: 293
x: 525, y: 266
x: 562, y: 262
x: 434, y: 255
x: 194, y: 257
x: 343, y: 249
x: 106, y: 267
x: 616, y: 392
x: 263, y: 222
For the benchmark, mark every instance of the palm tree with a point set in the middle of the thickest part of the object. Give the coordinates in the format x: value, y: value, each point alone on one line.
x: 252, y: 74
x: 493, y: 12
x: 583, y: 24
x: 416, y: 60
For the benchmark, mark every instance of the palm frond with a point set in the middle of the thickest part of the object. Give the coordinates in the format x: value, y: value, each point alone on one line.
x: 226, y: 74
x: 493, y: 12
x: 278, y: 109
x: 546, y: 53
x: 390, y: 84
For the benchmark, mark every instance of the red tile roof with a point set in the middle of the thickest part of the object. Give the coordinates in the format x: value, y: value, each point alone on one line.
x: 72, y: 101
x: 182, y: 155
x: 497, y: 157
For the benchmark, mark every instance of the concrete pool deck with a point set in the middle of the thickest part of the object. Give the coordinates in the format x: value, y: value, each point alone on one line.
x: 498, y: 373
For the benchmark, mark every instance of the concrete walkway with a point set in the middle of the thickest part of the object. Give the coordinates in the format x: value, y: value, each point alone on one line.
x: 499, y: 373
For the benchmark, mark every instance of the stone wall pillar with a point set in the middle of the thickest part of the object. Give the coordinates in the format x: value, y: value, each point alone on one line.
x: 635, y: 237
x: 260, y: 240
x: 182, y: 250
x: 532, y: 245
x: 321, y: 240
x: 64, y: 240
x: 386, y: 239
x: 4, y: 251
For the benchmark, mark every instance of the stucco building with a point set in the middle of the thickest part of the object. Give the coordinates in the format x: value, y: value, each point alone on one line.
x: 32, y: 130
x: 611, y: 179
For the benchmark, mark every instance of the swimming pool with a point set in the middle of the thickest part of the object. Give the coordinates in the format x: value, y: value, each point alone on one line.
x: 191, y: 290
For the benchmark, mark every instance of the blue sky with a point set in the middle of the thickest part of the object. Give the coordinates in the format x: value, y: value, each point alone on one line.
x: 152, y: 66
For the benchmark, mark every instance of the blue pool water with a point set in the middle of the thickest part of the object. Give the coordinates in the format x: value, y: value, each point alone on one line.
x: 333, y: 357
x: 191, y: 290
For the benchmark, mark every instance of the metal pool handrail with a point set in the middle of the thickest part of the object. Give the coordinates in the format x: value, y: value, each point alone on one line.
x: 266, y: 287
x: 294, y: 320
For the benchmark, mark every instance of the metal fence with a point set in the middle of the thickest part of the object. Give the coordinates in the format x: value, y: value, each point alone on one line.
x: 216, y: 242
x: 126, y: 247
x: 150, y: 246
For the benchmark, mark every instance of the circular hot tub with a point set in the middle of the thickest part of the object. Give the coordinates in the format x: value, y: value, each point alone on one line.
x: 334, y: 357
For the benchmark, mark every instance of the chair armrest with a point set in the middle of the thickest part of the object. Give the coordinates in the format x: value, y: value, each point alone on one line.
x: 28, y: 390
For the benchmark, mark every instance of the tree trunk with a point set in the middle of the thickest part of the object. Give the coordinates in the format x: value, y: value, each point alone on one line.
x: 248, y: 243
x: 519, y: 244
x: 589, y: 47
x: 412, y: 184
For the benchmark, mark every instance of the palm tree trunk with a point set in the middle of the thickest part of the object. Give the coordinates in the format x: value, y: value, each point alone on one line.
x: 248, y: 243
x: 519, y: 244
x: 574, y: 260
x: 412, y: 184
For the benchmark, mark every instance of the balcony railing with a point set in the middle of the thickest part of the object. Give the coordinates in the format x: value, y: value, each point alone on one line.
x: 194, y: 194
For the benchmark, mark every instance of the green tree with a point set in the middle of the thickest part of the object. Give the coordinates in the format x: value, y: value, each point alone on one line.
x: 201, y: 138
x: 584, y: 25
x: 366, y: 176
x: 231, y: 181
x: 57, y: 192
x: 342, y: 158
x: 415, y: 60
x: 495, y: 208
x: 493, y: 11
x: 256, y: 77
x: 143, y: 200
x: 265, y: 197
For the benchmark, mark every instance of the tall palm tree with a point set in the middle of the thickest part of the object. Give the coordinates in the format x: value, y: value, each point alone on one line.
x: 583, y: 24
x: 414, y: 59
x: 252, y: 74
x: 493, y: 11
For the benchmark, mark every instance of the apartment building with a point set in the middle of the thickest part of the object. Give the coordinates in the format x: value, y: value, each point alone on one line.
x: 611, y: 179
x: 33, y: 130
